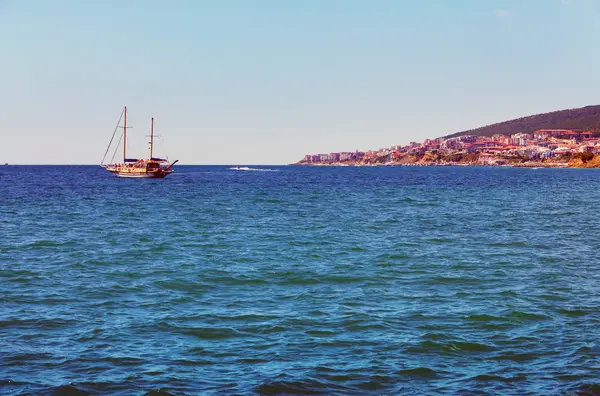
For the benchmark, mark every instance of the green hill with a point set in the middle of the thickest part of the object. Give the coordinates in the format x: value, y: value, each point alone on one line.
x: 584, y: 118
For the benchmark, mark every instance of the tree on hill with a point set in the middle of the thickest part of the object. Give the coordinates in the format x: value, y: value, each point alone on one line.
x: 583, y: 118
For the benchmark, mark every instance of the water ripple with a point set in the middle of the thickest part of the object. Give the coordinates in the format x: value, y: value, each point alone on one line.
x: 326, y: 281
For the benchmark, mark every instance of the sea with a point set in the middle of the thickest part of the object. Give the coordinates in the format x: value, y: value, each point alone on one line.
x: 295, y: 280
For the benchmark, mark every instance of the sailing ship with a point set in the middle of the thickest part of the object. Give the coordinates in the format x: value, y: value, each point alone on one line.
x: 151, y: 167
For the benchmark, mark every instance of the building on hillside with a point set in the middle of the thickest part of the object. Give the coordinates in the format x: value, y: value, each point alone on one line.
x: 483, y: 146
x: 579, y: 136
x: 452, y: 144
x: 546, y: 133
x: 468, y: 138
x: 432, y: 142
x: 348, y: 156
x: 498, y: 137
x: 533, y: 151
x: 519, y: 139
x: 547, y: 154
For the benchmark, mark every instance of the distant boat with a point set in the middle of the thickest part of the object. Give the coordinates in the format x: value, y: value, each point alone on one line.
x: 149, y: 168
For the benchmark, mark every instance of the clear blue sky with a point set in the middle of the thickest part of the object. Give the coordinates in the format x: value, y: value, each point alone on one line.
x: 267, y: 81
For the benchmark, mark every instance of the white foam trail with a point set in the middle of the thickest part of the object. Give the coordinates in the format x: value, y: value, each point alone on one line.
x: 245, y: 168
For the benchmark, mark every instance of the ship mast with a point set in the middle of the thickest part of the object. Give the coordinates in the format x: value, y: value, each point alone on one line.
x: 125, y: 135
x: 151, y: 137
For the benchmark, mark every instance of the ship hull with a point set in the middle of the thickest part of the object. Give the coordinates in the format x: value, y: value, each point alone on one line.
x: 141, y: 174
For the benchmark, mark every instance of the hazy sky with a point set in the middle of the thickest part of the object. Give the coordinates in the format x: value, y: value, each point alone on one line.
x: 267, y: 81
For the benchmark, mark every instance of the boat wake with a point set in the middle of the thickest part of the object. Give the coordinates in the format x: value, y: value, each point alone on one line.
x: 245, y: 168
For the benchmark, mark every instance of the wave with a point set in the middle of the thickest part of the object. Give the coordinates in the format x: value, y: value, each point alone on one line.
x: 418, y: 372
x: 516, y: 357
x: 588, y: 389
x: 308, y: 387
x: 493, y: 377
x: 449, y: 347
x: 41, y: 324
x: 83, y: 389
x: 209, y: 333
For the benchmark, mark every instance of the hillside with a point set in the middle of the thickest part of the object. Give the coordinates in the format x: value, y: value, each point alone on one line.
x: 584, y: 118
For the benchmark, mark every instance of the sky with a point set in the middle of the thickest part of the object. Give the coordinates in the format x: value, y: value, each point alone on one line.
x: 268, y: 81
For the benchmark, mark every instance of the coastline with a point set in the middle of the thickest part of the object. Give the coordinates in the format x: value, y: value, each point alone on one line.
x: 545, y: 148
x: 531, y: 164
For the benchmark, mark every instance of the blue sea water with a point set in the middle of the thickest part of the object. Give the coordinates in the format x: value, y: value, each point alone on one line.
x: 300, y: 280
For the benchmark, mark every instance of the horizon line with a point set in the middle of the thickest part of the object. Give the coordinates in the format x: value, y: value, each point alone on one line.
x: 240, y: 164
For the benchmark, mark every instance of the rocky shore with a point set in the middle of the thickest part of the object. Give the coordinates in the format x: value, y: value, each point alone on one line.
x: 576, y: 161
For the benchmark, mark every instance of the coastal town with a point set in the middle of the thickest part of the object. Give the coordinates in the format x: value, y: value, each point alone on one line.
x: 543, y: 148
